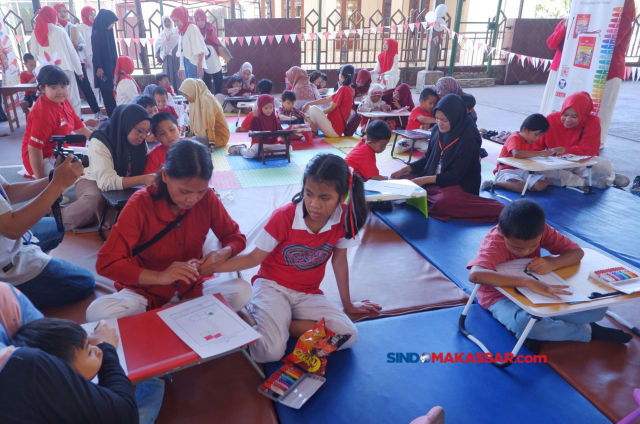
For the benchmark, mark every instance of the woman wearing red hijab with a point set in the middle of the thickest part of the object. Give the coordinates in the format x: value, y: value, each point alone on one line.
x: 616, y: 69
x: 576, y: 130
x: 398, y: 98
x: 52, y: 44
x: 386, y: 71
x: 126, y: 87
x: 213, y: 74
x: 191, y: 48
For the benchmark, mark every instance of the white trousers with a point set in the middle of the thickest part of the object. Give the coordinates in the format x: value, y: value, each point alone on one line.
x: 608, y: 105
x: 229, y: 107
x: 274, y: 306
x: 602, y: 175
x: 520, y: 176
x: 549, y: 91
x: 318, y: 117
x: 390, y: 79
x: 74, y: 94
x: 127, y: 302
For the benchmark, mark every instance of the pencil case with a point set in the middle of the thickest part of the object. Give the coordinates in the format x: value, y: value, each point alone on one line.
x: 620, y: 278
x: 291, y: 386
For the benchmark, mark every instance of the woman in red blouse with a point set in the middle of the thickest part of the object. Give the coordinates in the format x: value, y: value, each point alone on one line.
x: 332, y: 121
x: 175, y: 267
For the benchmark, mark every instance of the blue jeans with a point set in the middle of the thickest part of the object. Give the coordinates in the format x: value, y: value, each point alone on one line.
x: 572, y: 327
x: 149, y: 400
x: 190, y: 70
x: 47, y: 233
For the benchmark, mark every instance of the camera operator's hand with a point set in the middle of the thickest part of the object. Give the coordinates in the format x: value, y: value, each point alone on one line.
x: 66, y: 173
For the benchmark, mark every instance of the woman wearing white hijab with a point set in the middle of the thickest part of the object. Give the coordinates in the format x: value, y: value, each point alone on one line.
x: 166, y: 48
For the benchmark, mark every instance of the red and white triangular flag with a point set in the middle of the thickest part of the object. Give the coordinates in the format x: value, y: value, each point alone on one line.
x: 241, y: 41
x: 127, y: 41
x: 27, y: 38
x: 18, y: 38
x: 346, y: 33
x: 255, y: 39
x: 247, y: 38
x: 286, y: 38
x: 425, y: 25
x: 299, y: 37
x: 326, y: 35
x: 292, y: 37
x: 226, y: 40
x: 270, y: 38
x: 278, y: 38
x: 312, y: 35
x: 360, y: 32
x: 143, y: 42
x: 340, y: 33
x: 136, y: 40
x: 263, y: 38
x: 511, y: 56
x: 233, y: 39
x: 151, y: 40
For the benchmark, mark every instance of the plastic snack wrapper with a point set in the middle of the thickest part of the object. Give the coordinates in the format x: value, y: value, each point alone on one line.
x: 313, y: 347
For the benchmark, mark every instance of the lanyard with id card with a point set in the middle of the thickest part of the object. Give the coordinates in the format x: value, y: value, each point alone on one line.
x: 439, y: 168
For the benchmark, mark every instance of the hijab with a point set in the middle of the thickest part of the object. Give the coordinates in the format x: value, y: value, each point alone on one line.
x: 246, y: 84
x: 300, y: 84
x: 113, y: 134
x: 363, y: 77
x: 167, y: 39
x: 386, y: 57
x: 263, y: 122
x: 448, y: 85
x: 148, y: 90
x: 125, y: 65
x: 454, y: 108
x: 405, y: 98
x: 57, y: 7
x: 84, y: 14
x: 202, y: 110
x: 47, y: 15
x: 103, y: 42
x: 209, y: 32
x: 376, y: 89
x: 182, y: 14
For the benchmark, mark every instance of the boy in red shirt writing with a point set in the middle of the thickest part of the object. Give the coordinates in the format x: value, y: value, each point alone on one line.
x: 521, y: 233
x: 420, y: 119
x: 27, y: 77
x: 363, y: 157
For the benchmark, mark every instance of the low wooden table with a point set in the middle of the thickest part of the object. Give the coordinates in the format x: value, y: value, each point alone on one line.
x: 533, y: 167
x: 576, y: 276
x: 9, y: 102
x: 261, y: 135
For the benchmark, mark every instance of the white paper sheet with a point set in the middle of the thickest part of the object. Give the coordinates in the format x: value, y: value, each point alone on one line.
x: 393, y: 187
x: 208, y: 326
x: 516, y: 268
x: 551, y: 160
x: 113, y: 322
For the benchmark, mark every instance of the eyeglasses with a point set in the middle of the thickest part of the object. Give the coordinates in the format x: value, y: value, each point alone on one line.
x: 143, y: 134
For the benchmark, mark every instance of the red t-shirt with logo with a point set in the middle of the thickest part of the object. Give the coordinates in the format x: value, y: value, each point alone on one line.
x: 45, y: 120
x: 300, y: 257
x: 515, y: 141
x: 493, y: 251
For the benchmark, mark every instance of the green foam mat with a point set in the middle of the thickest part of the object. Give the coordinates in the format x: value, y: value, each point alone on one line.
x: 302, y: 157
x: 269, y: 177
x: 220, y: 163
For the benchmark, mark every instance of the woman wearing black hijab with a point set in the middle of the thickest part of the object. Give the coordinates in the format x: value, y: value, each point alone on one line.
x: 450, y: 172
x: 117, y: 157
x: 105, y: 56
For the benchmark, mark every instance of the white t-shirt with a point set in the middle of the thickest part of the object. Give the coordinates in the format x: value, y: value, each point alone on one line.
x: 28, y: 259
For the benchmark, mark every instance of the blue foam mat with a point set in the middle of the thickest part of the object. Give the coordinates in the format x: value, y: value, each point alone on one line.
x: 608, y: 219
x: 238, y: 163
x: 362, y: 387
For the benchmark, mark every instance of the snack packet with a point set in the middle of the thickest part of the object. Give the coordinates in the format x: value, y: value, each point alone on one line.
x: 313, y: 347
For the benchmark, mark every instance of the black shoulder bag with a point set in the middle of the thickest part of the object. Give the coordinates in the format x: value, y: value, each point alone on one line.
x: 159, y: 236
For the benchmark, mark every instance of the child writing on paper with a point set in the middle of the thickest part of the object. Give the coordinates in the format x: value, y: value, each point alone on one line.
x: 363, y: 157
x: 293, y: 250
x: 166, y: 131
x: 287, y: 111
x: 521, y: 233
x: 522, y: 145
x: 373, y: 101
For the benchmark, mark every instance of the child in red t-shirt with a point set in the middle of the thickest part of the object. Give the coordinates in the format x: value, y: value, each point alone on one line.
x: 27, y: 77
x: 293, y: 250
x: 363, y: 157
x: 420, y: 117
x: 521, y: 233
x: 522, y: 145
x: 166, y: 130
x: 161, y: 97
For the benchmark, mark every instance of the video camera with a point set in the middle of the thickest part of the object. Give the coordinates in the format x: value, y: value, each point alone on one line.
x: 60, y: 140
x: 59, y: 150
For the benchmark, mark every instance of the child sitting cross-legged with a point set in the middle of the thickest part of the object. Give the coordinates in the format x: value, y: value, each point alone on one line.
x: 521, y: 233
x: 293, y: 251
x: 420, y: 118
x: 522, y: 145
x: 264, y: 119
x: 363, y: 157
x: 165, y: 129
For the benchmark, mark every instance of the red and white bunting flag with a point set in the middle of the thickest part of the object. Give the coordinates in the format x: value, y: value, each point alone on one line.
x: 326, y: 34
x: 152, y: 40
x: 394, y: 27
x: 340, y: 33
x: 241, y: 41
x: 286, y: 38
x: 255, y: 39
x: 511, y: 56
x: 263, y: 38
x: 270, y: 38
x: 143, y: 42
x: 247, y: 38
x: 278, y: 38
x: 292, y: 37
x: 226, y: 40
x: 360, y: 32
x: 233, y: 39
x: 299, y: 36
x: 405, y: 26
x: 312, y: 35
x: 18, y: 38
x: 425, y: 25
x: 380, y: 30
x: 346, y: 33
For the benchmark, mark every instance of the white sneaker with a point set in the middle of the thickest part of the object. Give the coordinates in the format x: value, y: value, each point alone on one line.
x: 64, y: 200
x: 100, y: 116
x: 486, y: 184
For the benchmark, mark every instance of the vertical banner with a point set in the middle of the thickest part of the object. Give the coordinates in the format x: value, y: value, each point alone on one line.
x: 592, y: 29
x: 8, y: 59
